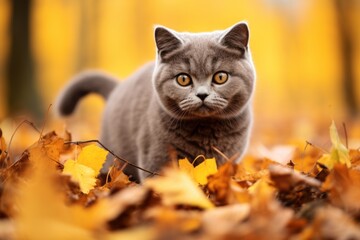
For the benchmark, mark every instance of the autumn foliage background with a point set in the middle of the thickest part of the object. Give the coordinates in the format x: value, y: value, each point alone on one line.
x: 306, y: 53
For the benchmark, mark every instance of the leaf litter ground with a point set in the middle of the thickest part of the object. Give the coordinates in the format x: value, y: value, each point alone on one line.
x: 55, y: 191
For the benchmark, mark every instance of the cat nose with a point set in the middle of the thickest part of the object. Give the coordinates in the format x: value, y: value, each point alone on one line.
x: 202, y: 96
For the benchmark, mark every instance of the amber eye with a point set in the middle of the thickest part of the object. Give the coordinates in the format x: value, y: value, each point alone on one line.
x: 220, y: 77
x: 183, y: 79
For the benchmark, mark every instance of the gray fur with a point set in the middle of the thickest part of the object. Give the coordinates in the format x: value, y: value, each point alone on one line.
x: 80, y: 86
x: 150, y: 111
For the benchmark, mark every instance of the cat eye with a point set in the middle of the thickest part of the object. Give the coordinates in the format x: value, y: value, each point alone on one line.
x: 183, y: 79
x: 220, y: 77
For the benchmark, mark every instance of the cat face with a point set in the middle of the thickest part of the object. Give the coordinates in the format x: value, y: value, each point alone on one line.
x: 205, y: 74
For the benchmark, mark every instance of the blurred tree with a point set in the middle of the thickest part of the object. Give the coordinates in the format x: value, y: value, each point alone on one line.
x: 22, y: 94
x: 343, y: 8
x: 88, y: 37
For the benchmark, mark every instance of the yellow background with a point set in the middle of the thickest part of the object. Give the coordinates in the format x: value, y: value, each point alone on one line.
x: 295, y: 46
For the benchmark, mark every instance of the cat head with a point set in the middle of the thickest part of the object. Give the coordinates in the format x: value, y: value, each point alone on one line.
x: 200, y: 75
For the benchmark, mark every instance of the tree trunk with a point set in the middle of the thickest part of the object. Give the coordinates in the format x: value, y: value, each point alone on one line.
x: 347, y: 51
x: 23, y: 97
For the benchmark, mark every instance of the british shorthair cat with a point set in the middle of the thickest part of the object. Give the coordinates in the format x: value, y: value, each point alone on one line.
x: 195, y: 96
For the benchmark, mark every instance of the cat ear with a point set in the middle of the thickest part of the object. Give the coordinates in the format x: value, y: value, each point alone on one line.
x: 236, y: 37
x: 166, y: 41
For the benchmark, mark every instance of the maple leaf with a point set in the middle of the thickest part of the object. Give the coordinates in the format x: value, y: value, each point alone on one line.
x: 338, y: 154
x: 177, y: 188
x: 201, y: 172
x: 87, y: 167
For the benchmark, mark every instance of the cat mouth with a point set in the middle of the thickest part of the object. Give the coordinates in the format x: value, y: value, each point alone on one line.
x: 204, y: 110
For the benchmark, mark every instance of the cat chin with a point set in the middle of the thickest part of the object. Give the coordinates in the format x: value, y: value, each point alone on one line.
x: 203, y: 112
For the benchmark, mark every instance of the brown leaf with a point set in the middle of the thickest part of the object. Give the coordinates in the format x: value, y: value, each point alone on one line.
x: 355, y: 158
x: 221, y: 221
x: 124, y: 205
x: 9, y: 179
x: 219, y: 183
x: 128, y: 197
x: 117, y: 179
x: 285, y: 178
x: 343, y: 185
x: 171, y: 222
x: 331, y: 223
x: 267, y: 217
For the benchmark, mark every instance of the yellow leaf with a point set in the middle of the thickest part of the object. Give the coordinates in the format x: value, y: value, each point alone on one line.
x: 42, y: 212
x: 87, y: 167
x: 186, y: 166
x: 338, y: 154
x: 93, y: 157
x: 177, y: 188
x: 84, y: 175
x: 201, y: 171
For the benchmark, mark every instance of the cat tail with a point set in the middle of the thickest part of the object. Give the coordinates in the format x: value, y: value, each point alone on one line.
x: 82, y: 85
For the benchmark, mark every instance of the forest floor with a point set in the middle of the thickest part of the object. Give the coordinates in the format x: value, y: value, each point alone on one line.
x: 292, y: 191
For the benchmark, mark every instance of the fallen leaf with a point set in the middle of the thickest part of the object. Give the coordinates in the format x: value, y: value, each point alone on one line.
x: 201, y: 172
x: 93, y: 157
x: 143, y: 233
x: 343, y: 185
x: 128, y: 197
x: 87, y: 166
x: 170, y: 221
x: 42, y: 213
x: 219, y: 183
x: 262, y: 191
x: 338, y: 154
x: 221, y: 220
x: 118, y: 179
x: 331, y: 223
x: 306, y: 164
x: 177, y: 188
x: 267, y: 217
x: 2, y: 149
x: 285, y: 178
x: 355, y: 157
x: 84, y: 175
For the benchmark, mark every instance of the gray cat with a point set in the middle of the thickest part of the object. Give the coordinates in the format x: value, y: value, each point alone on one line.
x: 196, y: 95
